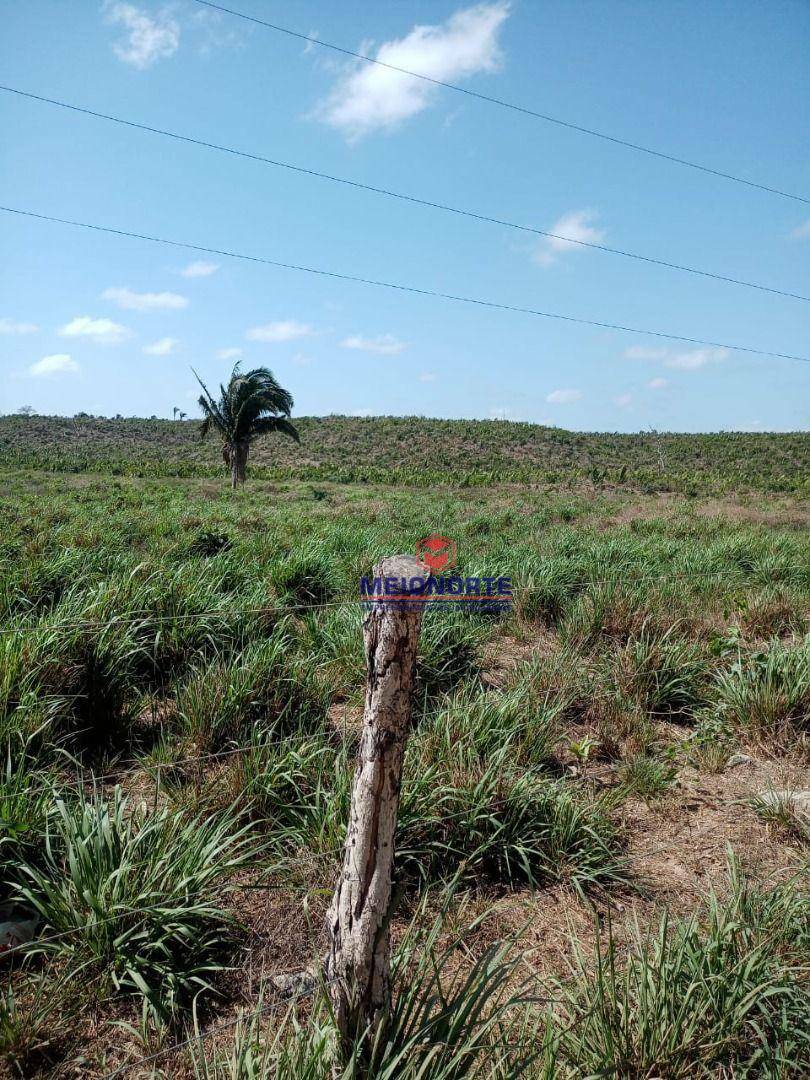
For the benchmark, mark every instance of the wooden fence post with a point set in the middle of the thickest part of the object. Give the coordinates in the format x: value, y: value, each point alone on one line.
x: 357, y: 964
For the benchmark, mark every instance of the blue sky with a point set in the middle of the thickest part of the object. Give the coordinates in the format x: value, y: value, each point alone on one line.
x: 105, y: 325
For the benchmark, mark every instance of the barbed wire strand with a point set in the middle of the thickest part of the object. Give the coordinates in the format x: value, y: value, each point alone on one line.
x: 430, y: 600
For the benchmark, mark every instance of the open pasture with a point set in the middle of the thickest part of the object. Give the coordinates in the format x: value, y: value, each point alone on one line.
x: 599, y: 852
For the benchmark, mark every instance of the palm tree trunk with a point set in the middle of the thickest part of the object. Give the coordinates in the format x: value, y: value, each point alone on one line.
x: 242, y: 451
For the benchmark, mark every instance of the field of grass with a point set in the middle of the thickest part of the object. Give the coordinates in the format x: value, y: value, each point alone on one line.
x: 600, y: 846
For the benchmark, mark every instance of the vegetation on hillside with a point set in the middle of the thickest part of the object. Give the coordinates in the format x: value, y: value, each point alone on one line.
x: 418, y: 451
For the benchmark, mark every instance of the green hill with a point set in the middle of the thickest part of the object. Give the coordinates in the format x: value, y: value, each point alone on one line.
x: 417, y: 451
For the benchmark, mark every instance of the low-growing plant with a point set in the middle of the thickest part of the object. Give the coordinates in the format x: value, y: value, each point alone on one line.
x: 445, y: 1022
x: 703, y: 997
x: 711, y: 743
x: 767, y: 695
x: 785, y: 810
x: 145, y: 890
x: 449, y: 651
x: 512, y: 827
x: 663, y: 672
x: 647, y: 777
x: 264, y: 683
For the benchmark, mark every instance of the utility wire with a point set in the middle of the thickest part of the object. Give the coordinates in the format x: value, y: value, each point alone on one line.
x: 399, y: 195
x: 505, y: 104
x: 413, y: 289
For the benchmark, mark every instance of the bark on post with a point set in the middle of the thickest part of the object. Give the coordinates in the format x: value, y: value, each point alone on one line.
x: 357, y: 966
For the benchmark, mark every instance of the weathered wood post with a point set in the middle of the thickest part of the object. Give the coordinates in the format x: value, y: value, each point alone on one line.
x: 357, y: 965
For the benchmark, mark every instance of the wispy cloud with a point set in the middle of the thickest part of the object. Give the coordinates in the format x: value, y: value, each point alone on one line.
x: 801, y: 232
x: 695, y: 358
x: 688, y: 360
x: 201, y: 268
x: 10, y: 326
x: 57, y: 364
x: 274, y: 332
x: 577, y: 225
x: 624, y: 401
x: 164, y: 346
x: 384, y: 344
x: 147, y: 301
x: 503, y: 412
x: 427, y: 376
x: 101, y: 331
x: 564, y: 396
x: 301, y: 360
x: 229, y: 354
x: 657, y: 384
x: 147, y: 37
x: 644, y: 352
x: 370, y: 98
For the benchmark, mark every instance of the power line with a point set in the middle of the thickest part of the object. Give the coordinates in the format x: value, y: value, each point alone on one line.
x: 404, y: 197
x: 507, y: 104
x: 413, y: 289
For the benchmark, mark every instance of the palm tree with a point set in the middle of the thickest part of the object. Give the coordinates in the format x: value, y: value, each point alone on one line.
x: 252, y: 404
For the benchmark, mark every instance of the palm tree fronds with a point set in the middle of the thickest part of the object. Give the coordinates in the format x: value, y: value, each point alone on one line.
x: 270, y: 424
x: 252, y: 404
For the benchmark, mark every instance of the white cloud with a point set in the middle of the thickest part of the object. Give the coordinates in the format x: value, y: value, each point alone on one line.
x: 623, y: 400
x: 164, y: 346
x: 657, y: 384
x: 572, y: 229
x: 362, y: 412
x: 643, y: 352
x: 274, y: 332
x: 563, y: 397
x: 9, y: 326
x: 503, y: 412
x: 229, y: 354
x: 102, y: 331
x: 147, y: 37
x: 369, y: 98
x: 300, y: 360
x: 53, y: 365
x: 146, y: 301
x: 427, y: 376
x: 199, y: 269
x: 696, y: 358
x: 385, y: 344
x: 801, y: 232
